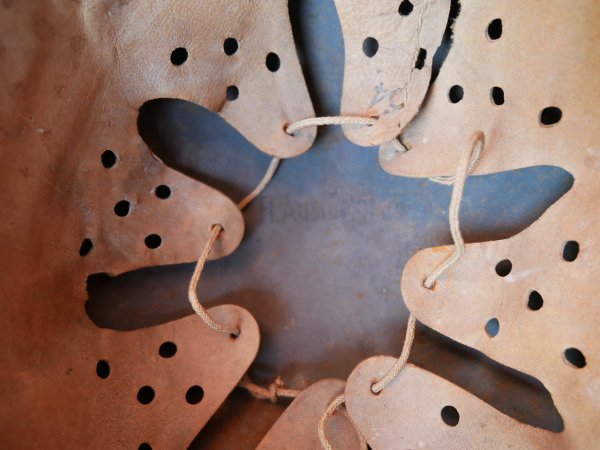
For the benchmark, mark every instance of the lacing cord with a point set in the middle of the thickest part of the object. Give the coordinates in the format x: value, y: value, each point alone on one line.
x: 215, y: 231
x: 467, y: 163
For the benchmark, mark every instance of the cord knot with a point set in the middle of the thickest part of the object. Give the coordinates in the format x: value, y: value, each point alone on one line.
x: 274, y: 389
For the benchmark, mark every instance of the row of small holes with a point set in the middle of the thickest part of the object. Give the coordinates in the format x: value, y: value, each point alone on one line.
x: 535, y: 302
x: 123, y: 207
x: 230, y: 46
x: 549, y: 116
x: 108, y: 159
x: 152, y: 241
x: 573, y: 355
x: 371, y: 45
x: 193, y: 396
x: 146, y: 394
x: 166, y: 350
x: 570, y: 253
x: 456, y: 94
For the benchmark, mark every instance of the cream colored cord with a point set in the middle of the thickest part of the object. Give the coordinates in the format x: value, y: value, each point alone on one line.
x: 215, y: 231
x: 466, y: 163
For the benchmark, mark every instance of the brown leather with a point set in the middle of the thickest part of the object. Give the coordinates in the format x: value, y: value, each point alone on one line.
x: 73, y: 75
x: 545, y: 57
x: 391, y: 84
x: 408, y: 413
x: 297, y: 426
x: 59, y: 401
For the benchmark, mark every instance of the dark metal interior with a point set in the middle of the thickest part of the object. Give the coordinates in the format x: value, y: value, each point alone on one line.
x: 325, y: 245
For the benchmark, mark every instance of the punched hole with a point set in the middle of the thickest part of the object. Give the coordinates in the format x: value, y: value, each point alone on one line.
x: 230, y: 46
x: 232, y: 93
x: 504, y: 267
x: 571, y: 251
x: 162, y: 191
x: 109, y: 158
x: 535, y: 301
x: 273, y: 63
x: 494, y: 30
x: 122, y: 208
x: 179, y: 56
x: 492, y: 327
x: 370, y: 46
x: 405, y: 8
x: 145, y: 446
x: 575, y: 357
x: 86, y: 247
x: 421, y: 57
x: 153, y: 241
x: 145, y: 395
x: 103, y: 369
x: 550, y: 116
x: 167, y: 349
x: 456, y: 93
x: 194, y: 395
x: 429, y: 288
x: 497, y: 95
x: 236, y: 334
x: 450, y: 415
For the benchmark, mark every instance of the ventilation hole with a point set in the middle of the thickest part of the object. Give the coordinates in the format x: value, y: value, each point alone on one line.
x: 575, y: 357
x: 167, y: 349
x: 109, y: 158
x: 194, y: 395
x: 535, y: 301
x: 405, y: 8
x: 504, y: 267
x: 420, y: 62
x: 550, y: 115
x: 122, y: 208
x: 102, y: 369
x: 273, y: 62
x: 145, y: 395
x: 230, y: 46
x: 492, y: 327
x: 494, y: 30
x: 498, y: 95
x: 162, y: 191
x: 450, y: 415
x: 153, y: 241
x: 86, y: 247
x: 232, y: 93
x: 456, y: 93
x: 179, y: 56
x: 571, y: 251
x: 370, y: 46
x: 145, y: 446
